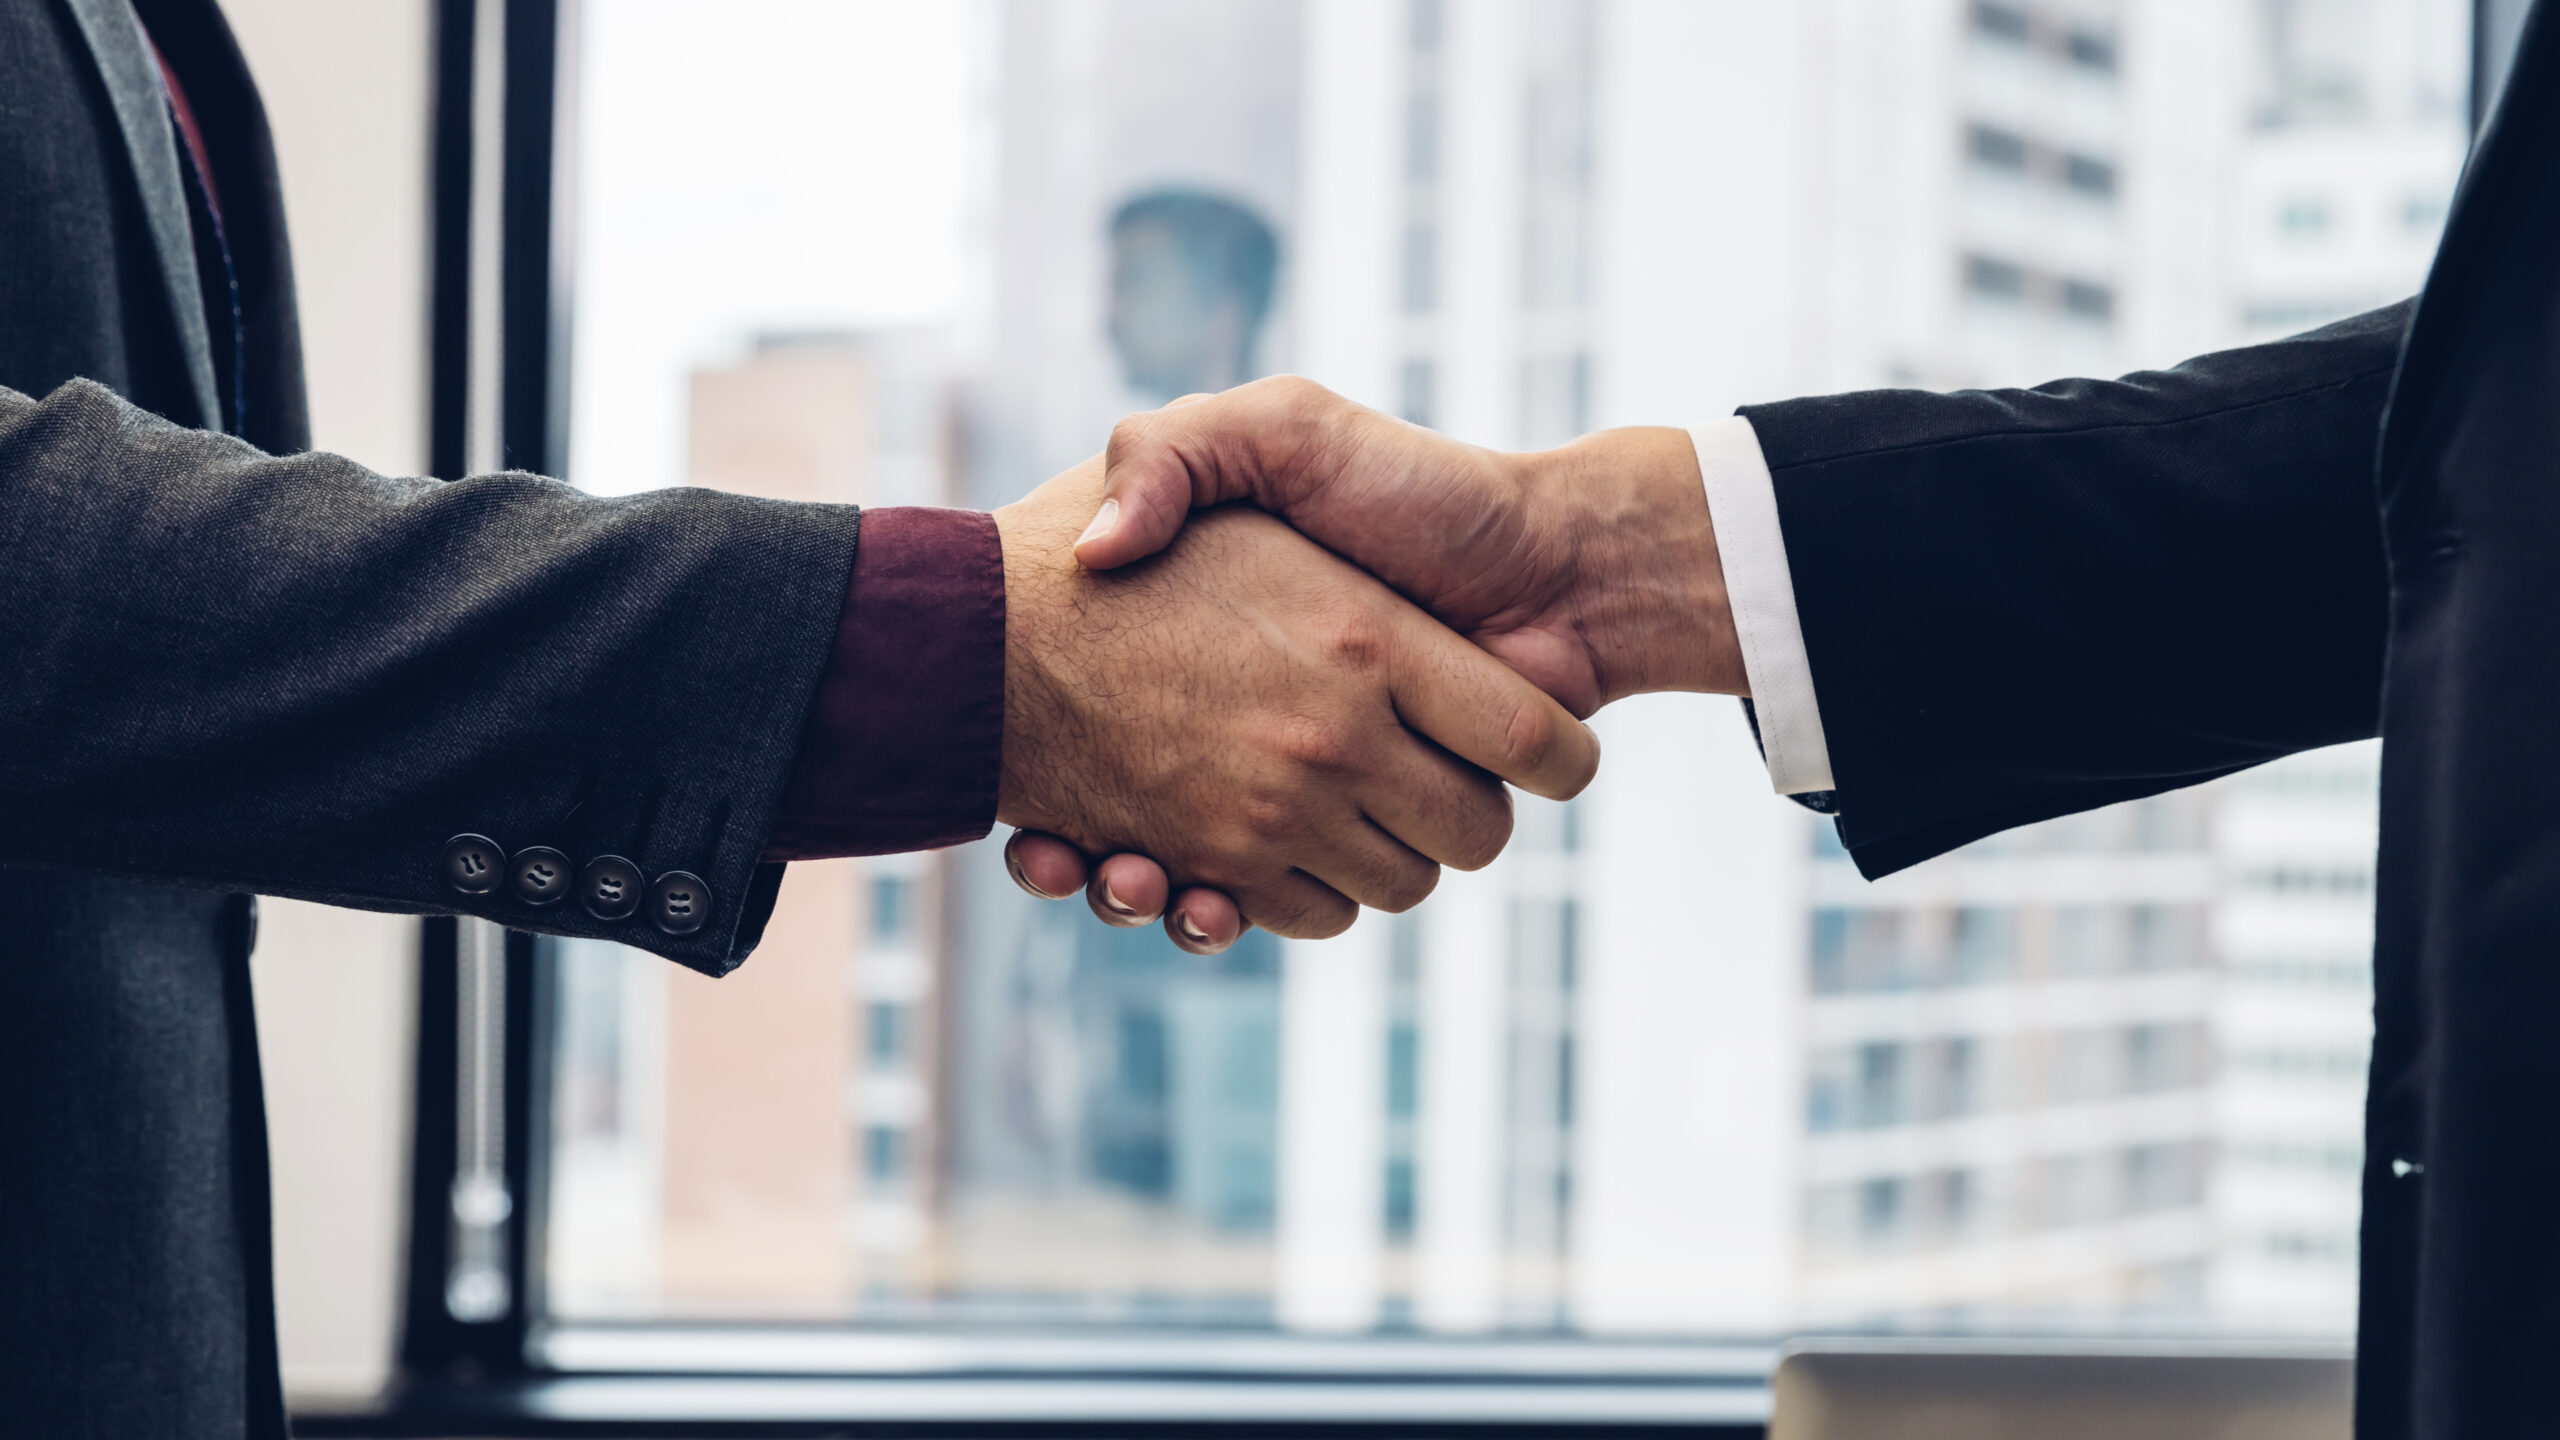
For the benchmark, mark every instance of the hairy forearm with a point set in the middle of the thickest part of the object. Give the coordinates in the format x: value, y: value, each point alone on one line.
x: 1648, y: 586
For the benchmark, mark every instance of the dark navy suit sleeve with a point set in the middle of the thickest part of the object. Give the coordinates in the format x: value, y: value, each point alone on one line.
x: 2022, y: 603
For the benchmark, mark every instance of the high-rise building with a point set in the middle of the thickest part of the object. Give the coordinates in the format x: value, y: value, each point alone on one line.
x: 2050, y: 1074
x: 2357, y: 130
x: 767, y: 1142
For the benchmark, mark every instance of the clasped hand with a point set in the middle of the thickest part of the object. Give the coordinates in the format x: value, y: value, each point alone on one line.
x: 1258, y: 716
x: 1250, y: 730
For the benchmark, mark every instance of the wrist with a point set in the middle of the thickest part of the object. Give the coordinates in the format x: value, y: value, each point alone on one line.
x: 1648, y: 582
x: 1029, y: 540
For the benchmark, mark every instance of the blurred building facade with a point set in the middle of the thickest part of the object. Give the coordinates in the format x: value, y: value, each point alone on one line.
x: 768, y: 1143
x: 2068, y: 1072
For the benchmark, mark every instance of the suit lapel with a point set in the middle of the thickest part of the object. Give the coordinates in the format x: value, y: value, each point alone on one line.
x: 142, y: 112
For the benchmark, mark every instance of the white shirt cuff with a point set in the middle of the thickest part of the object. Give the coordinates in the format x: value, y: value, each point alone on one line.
x: 1742, y: 503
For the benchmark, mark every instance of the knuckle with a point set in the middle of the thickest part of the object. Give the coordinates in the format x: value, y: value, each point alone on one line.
x: 1359, y: 641
x: 1409, y: 888
x: 1318, y: 743
x: 1296, y: 911
x: 1324, y: 920
x: 1298, y: 392
x: 1530, y: 738
x: 1128, y: 435
x: 1484, y: 832
x: 1263, y: 818
x: 1334, y: 917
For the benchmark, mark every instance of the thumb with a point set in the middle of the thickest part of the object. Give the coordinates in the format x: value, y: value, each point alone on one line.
x: 1201, y: 450
x: 1145, y: 498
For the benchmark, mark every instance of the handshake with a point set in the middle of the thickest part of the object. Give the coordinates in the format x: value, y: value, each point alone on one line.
x: 1272, y: 655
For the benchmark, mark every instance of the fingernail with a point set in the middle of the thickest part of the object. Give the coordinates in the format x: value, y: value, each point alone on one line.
x: 1111, y: 901
x: 1190, y: 932
x: 1104, y: 520
x: 1013, y: 867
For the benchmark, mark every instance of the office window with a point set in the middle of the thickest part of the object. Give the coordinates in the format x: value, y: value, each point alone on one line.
x: 1880, y: 1210
x: 887, y: 1155
x: 891, y: 1028
x: 860, y: 254
x: 893, y: 911
x: 1417, y: 391
x: 1996, y: 20
x: 1990, y: 278
x: 2304, y: 218
x: 2088, y: 175
x: 1420, y: 273
x: 1423, y: 24
x: 2088, y: 300
x: 1422, y: 138
x: 1984, y: 944
x: 2091, y: 50
x: 1993, y: 148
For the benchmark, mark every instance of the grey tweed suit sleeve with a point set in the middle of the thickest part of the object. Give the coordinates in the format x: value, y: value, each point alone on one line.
x: 296, y: 677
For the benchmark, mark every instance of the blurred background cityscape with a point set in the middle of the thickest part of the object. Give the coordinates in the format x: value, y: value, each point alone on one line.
x: 1670, y: 1067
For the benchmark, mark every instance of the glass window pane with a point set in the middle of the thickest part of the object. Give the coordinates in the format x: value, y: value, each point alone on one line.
x: 2103, y: 1070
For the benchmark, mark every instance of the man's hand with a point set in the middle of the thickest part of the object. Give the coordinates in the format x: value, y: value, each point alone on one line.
x: 1259, y: 717
x: 1591, y: 568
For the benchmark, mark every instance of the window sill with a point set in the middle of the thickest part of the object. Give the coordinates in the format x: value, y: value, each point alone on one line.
x: 734, y: 1405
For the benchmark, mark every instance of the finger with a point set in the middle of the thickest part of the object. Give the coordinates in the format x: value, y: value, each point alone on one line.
x: 1204, y: 921
x: 1298, y: 907
x: 1248, y: 443
x: 1447, y: 810
x: 1044, y: 865
x: 1480, y: 710
x: 1127, y: 890
x: 1368, y: 865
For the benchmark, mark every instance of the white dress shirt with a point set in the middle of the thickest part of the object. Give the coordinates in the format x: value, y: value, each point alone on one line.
x: 1742, y: 503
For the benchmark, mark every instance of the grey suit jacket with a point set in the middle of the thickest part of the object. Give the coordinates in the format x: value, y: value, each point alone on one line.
x: 230, y: 666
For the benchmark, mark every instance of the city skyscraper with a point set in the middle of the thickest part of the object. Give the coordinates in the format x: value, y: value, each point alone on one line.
x: 2052, y: 1074
x: 767, y: 1142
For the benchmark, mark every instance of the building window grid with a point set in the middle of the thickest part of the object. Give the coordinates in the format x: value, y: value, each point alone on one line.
x: 1949, y: 1206
x: 1403, y: 1098
x: 1924, y: 1079
x: 1418, y: 242
x: 1539, y: 1124
x: 1558, y: 146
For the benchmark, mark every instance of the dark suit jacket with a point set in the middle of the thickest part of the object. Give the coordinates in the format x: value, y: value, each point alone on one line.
x: 231, y: 666
x: 2027, y: 602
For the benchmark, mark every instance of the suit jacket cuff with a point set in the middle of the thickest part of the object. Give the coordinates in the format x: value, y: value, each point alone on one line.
x: 1742, y: 503
x: 905, y: 734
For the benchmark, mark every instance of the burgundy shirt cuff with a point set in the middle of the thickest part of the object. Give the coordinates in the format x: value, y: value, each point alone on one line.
x: 906, y: 733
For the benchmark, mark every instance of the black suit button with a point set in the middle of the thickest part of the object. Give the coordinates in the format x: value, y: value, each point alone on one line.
x: 472, y: 864
x: 540, y: 875
x: 610, y: 887
x: 679, y: 902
